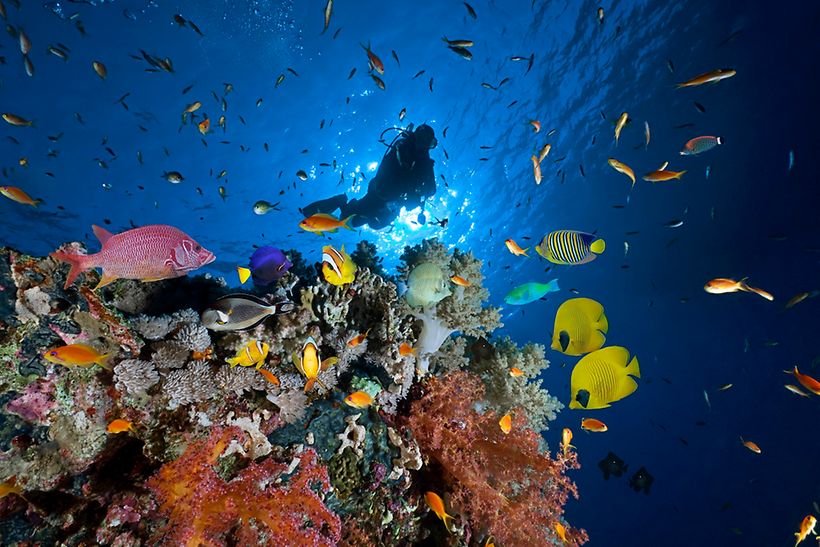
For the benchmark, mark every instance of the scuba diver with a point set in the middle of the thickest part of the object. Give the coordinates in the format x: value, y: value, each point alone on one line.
x: 405, y: 177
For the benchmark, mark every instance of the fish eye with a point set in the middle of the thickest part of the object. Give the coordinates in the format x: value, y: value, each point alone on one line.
x: 198, y: 248
x: 53, y: 353
x: 220, y: 322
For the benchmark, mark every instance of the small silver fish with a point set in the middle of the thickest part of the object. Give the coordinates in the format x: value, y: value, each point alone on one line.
x: 706, y: 397
x: 242, y: 312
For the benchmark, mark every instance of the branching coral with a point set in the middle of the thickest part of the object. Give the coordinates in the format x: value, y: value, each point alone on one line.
x: 260, y: 505
x: 503, y: 485
x: 193, y: 384
x: 505, y: 391
x: 135, y: 377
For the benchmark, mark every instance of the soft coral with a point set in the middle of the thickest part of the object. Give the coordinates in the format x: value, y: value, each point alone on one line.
x: 203, y: 509
x: 503, y: 485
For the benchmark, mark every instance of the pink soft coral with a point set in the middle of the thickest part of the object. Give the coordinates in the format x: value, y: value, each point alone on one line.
x: 203, y: 509
x: 503, y: 485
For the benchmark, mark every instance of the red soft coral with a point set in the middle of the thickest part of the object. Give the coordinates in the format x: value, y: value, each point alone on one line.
x: 203, y: 509
x: 503, y: 485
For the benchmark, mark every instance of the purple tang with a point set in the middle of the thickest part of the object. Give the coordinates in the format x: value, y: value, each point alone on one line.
x: 268, y: 265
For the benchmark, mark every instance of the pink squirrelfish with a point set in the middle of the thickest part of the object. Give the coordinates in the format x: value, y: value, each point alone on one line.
x: 150, y: 253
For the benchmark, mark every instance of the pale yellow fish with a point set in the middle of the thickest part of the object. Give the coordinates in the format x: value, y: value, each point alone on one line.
x: 622, y: 168
x: 619, y: 125
x: 724, y: 388
x: 796, y: 390
x: 646, y: 133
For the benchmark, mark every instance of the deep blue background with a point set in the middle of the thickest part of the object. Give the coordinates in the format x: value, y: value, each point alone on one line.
x: 686, y: 340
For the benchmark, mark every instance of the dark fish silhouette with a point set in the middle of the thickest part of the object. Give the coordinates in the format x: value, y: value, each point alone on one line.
x: 482, y: 349
x: 641, y: 480
x: 612, y: 465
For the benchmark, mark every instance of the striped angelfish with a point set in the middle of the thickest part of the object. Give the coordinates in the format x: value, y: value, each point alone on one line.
x: 570, y: 247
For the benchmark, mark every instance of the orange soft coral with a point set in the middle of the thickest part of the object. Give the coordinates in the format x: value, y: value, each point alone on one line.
x: 503, y: 485
x: 204, y: 509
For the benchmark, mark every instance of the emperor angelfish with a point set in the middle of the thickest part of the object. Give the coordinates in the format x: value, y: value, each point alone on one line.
x: 242, y: 312
x: 570, y: 248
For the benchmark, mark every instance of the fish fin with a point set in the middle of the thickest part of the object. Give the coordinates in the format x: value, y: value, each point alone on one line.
x: 625, y: 388
x: 632, y: 369
x: 603, y: 323
x: 596, y: 341
x: 345, y: 221
x: 36, y: 202
x: 244, y: 274
x: 309, y: 384
x: 105, y: 361
x: 599, y: 245
x: 233, y: 361
x: 79, y: 263
x: 524, y: 252
x: 680, y: 174
x: 329, y: 362
x: 107, y: 280
x: 102, y: 234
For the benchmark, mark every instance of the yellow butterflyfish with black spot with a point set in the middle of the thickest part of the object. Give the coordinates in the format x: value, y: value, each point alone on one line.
x: 603, y: 377
x: 569, y: 247
x: 580, y: 327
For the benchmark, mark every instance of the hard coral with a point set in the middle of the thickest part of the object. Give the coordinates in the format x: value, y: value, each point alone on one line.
x: 205, y: 509
x: 503, y: 485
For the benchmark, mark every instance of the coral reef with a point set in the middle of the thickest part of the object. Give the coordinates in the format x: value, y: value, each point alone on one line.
x: 221, y: 455
x: 502, y: 485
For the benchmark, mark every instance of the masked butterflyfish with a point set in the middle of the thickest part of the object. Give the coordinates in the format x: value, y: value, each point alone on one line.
x: 580, y: 327
x: 603, y: 377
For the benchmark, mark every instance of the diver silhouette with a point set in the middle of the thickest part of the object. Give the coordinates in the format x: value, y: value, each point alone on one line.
x: 405, y: 177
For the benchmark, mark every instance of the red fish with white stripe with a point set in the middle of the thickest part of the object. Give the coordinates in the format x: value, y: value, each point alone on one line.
x: 149, y: 253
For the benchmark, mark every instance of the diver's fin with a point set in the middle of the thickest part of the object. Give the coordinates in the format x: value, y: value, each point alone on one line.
x: 598, y: 246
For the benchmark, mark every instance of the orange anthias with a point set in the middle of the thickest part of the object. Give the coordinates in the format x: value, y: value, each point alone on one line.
x: 505, y: 423
x: 358, y: 339
x: 513, y: 247
x: 375, y: 63
x: 591, y: 424
x: 320, y: 223
x: 806, y: 528
x: 751, y: 446
x: 566, y: 438
x: 806, y: 381
x: 119, y: 426
x: 406, y: 349
x: 269, y: 376
x: 722, y: 285
x: 77, y: 355
x: 460, y: 281
x: 536, y: 126
x: 15, y: 194
x: 516, y: 372
x: 359, y: 399
x: 435, y: 503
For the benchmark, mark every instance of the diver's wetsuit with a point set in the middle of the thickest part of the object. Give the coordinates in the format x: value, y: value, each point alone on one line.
x: 405, y: 175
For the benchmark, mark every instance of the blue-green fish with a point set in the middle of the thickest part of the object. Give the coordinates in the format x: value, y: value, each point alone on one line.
x: 530, y: 292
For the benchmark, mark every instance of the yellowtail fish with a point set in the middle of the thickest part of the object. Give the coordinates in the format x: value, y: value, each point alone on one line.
x: 77, y: 355
x: 709, y: 77
x: 569, y: 247
x: 622, y: 168
x: 18, y: 195
x: 603, y: 377
x: 359, y: 399
x: 662, y: 175
x: 580, y: 327
x: 337, y: 266
x: 619, y: 125
x: 253, y: 354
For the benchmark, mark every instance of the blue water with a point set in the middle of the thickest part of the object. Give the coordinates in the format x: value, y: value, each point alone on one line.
x: 709, y: 491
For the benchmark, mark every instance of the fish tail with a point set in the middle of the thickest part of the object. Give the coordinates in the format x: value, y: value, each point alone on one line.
x: 309, y: 384
x: 599, y: 245
x: 105, y: 361
x: 79, y: 263
x: 233, y: 361
x: 244, y: 274
x: 36, y: 202
x: 345, y: 221
x: 524, y: 252
x: 680, y: 174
